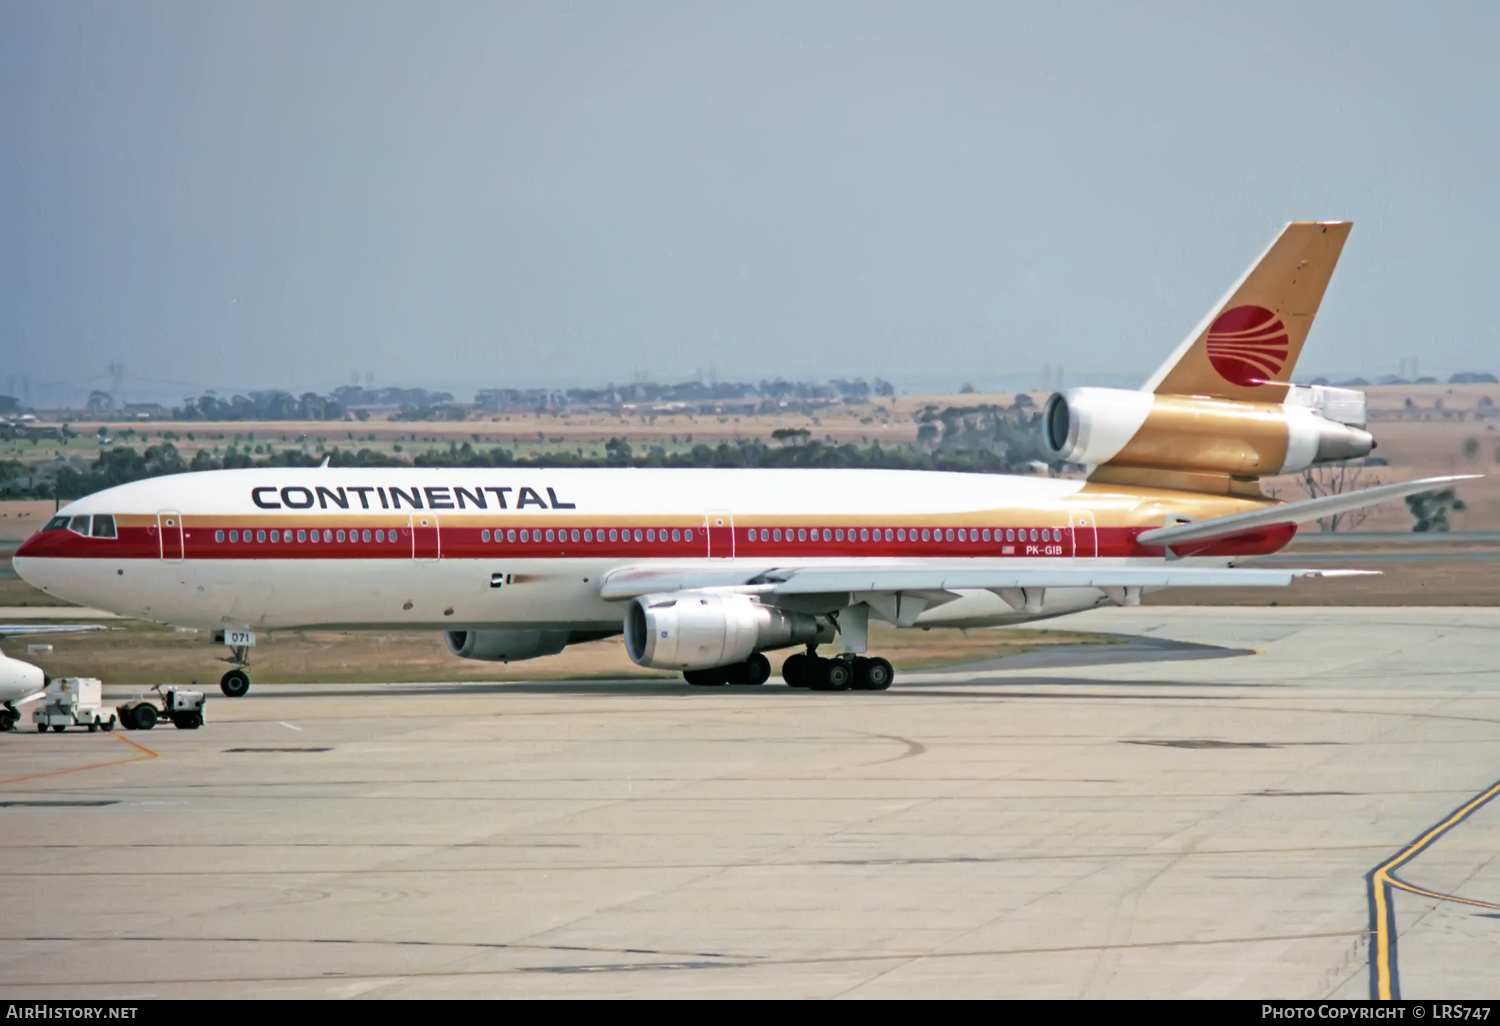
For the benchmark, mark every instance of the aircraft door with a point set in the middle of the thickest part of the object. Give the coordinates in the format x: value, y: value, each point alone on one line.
x: 426, y: 542
x: 169, y: 534
x: 1084, y: 533
x: 718, y: 525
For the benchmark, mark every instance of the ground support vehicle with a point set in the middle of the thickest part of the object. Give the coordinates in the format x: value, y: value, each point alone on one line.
x: 180, y: 705
x: 72, y: 702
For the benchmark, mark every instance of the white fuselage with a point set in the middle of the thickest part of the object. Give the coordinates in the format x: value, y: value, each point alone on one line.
x: 425, y: 549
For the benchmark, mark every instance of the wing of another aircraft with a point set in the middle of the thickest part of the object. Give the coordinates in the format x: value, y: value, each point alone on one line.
x: 17, y: 630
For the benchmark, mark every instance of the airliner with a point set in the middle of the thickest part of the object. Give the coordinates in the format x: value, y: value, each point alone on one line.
x: 21, y: 682
x: 704, y: 571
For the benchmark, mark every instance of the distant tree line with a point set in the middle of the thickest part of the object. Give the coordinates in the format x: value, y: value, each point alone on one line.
x: 982, y: 440
x: 271, y: 405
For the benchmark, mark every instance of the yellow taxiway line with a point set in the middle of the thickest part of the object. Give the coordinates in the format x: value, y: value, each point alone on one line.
x: 1384, y: 983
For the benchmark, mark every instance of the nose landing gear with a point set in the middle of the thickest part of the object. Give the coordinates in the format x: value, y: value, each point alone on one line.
x: 236, y: 683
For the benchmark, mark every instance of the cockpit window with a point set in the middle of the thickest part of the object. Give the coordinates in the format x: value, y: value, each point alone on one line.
x: 104, y: 525
x: 80, y: 525
x: 57, y: 524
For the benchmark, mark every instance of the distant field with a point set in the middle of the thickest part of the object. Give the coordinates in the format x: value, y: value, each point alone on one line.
x: 1422, y: 430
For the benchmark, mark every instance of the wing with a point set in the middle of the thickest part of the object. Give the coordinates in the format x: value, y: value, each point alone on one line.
x: 631, y: 582
x: 1304, y: 512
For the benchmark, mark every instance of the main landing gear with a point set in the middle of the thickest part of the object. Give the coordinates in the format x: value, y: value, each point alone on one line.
x: 236, y: 683
x: 9, y: 717
x: 850, y: 670
x: 803, y: 670
x: 842, y: 673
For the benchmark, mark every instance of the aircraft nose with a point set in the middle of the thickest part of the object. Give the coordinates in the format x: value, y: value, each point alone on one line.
x: 26, y: 565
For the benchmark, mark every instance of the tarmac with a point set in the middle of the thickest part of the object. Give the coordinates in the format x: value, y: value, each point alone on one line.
x: 1237, y: 802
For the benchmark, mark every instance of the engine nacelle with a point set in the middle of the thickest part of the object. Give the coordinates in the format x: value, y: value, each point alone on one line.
x: 506, y: 646
x: 1097, y: 426
x: 693, y: 630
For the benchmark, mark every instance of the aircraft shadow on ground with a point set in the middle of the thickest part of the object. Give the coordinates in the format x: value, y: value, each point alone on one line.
x: 1132, y: 649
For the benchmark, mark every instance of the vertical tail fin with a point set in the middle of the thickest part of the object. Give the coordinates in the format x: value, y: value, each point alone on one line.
x: 1248, y: 345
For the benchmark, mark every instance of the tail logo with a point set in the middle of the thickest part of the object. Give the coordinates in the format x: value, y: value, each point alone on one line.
x: 1247, y: 345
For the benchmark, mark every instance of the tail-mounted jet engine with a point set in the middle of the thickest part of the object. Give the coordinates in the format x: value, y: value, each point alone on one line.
x: 506, y: 646
x: 1121, y: 428
x: 699, y: 630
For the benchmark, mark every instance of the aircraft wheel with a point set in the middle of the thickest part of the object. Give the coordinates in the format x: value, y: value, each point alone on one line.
x: 794, y: 670
x: 873, y: 674
x: 754, y: 671
x: 714, y: 676
x: 832, y: 675
x: 235, y: 683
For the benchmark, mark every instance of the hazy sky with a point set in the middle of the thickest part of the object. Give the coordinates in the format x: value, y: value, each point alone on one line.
x: 237, y: 194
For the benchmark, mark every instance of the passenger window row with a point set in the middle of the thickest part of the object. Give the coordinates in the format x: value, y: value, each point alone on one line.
x: 534, y: 535
x: 589, y: 535
x: 313, y: 536
x: 901, y: 534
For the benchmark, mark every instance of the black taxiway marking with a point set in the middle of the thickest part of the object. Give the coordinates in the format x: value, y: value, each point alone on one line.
x: 683, y: 961
x: 1203, y: 742
x: 243, y: 750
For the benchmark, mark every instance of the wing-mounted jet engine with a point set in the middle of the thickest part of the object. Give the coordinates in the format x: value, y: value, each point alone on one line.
x: 705, y: 630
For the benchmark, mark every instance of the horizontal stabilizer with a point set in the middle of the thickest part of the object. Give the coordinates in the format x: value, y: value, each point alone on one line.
x: 1292, y: 512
